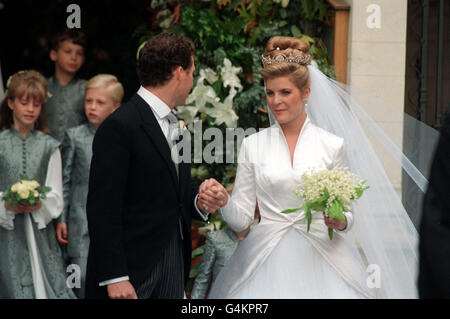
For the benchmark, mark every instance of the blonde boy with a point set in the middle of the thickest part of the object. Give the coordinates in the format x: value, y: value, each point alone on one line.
x: 103, y: 96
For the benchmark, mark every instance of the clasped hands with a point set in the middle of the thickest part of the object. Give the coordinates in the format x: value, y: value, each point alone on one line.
x: 211, y: 196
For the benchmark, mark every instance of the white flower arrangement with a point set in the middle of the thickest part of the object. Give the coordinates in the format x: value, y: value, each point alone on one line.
x: 229, y: 75
x: 222, y: 111
x: 330, y: 191
x: 25, y: 192
x: 209, y: 75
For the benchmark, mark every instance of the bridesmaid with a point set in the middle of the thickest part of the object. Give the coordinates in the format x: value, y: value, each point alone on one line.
x: 219, y: 247
x: 31, y: 263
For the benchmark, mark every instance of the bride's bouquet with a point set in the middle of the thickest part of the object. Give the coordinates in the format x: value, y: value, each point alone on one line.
x: 329, y: 191
x: 25, y: 192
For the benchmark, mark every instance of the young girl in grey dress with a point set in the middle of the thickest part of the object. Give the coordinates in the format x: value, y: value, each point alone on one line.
x: 31, y: 264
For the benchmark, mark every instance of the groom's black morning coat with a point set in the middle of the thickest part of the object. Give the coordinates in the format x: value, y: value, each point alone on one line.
x: 135, y: 198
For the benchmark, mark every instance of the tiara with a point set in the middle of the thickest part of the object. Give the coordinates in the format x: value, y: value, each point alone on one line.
x: 302, y: 58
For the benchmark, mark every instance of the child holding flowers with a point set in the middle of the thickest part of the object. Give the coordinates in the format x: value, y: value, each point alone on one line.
x: 31, y: 264
x: 103, y: 96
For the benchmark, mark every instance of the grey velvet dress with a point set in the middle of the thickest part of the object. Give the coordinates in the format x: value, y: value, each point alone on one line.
x: 219, y: 247
x: 65, y: 107
x: 76, y: 152
x: 29, y: 156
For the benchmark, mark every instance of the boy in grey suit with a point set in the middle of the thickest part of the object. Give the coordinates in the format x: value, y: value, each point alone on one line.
x: 104, y: 94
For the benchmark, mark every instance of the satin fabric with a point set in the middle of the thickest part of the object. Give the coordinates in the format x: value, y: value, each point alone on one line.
x: 267, y: 175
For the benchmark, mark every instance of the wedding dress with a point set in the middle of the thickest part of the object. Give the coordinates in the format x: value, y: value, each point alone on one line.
x: 279, y: 258
x: 374, y: 257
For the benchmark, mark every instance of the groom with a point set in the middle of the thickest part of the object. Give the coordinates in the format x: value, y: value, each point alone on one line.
x: 140, y: 201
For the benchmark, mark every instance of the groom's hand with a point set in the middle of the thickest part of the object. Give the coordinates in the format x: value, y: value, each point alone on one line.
x: 212, y: 195
x: 121, y: 290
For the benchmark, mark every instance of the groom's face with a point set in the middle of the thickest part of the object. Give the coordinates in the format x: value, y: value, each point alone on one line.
x: 187, y: 81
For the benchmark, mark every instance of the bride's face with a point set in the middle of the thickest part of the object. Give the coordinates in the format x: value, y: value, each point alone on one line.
x: 285, y: 99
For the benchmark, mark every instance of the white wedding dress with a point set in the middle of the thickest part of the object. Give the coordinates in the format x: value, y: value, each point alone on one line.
x: 279, y: 258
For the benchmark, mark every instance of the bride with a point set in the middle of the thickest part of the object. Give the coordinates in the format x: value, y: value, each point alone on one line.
x: 372, y: 253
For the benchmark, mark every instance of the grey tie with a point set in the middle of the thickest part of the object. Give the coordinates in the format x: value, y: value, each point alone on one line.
x: 172, y: 137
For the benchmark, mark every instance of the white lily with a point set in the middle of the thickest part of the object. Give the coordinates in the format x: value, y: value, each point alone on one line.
x: 229, y: 75
x: 223, y: 112
x: 209, y: 75
x: 202, y: 94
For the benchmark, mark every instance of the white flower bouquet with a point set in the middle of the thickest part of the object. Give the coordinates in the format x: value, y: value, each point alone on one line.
x: 25, y: 192
x: 329, y: 191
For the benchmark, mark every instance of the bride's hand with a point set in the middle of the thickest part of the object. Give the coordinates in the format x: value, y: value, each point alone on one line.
x: 212, y: 195
x: 335, y: 223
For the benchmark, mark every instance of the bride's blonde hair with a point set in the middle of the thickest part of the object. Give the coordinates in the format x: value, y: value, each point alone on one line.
x: 287, y: 46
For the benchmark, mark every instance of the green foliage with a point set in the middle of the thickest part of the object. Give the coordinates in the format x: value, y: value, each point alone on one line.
x: 239, y: 30
x: 194, y: 271
x: 308, y: 217
x: 197, y: 252
x: 360, y: 190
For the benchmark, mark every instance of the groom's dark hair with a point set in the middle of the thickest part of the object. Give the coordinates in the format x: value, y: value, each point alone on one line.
x: 161, y: 55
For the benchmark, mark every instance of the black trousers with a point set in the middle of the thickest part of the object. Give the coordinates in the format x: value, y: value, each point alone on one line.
x: 166, y: 280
